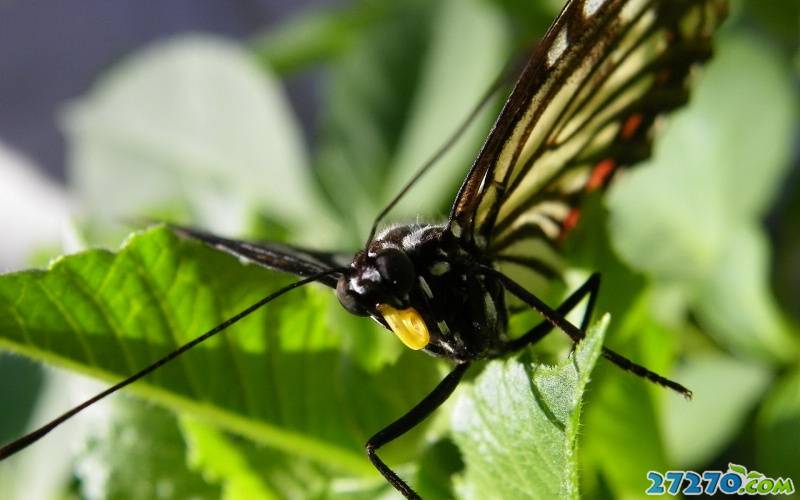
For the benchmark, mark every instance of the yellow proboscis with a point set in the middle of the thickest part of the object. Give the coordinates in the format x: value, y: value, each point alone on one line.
x: 408, y: 325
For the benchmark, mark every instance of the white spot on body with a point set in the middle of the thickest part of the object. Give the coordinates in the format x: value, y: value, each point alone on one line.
x: 413, y: 240
x: 559, y: 46
x: 425, y: 288
x: 356, y: 286
x: 455, y: 228
x: 591, y: 6
x: 410, y: 240
x: 439, y: 268
x: 382, y: 234
x: 371, y: 274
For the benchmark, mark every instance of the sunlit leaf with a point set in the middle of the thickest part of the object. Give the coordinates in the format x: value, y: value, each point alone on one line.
x: 248, y: 471
x: 280, y: 377
x: 517, y: 425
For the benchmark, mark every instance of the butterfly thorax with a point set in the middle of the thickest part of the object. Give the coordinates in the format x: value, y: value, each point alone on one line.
x: 422, y: 272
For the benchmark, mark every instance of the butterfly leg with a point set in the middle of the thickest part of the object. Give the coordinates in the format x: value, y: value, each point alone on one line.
x: 407, y: 422
x: 558, y: 320
x: 535, y: 334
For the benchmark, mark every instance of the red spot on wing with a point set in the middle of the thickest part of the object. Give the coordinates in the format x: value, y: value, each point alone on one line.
x: 600, y: 174
x: 569, y: 223
x: 631, y: 125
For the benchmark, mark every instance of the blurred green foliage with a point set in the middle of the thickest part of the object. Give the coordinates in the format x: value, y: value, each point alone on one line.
x: 198, y: 129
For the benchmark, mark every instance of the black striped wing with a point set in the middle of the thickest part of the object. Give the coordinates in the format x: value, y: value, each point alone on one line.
x: 275, y: 256
x: 583, y: 107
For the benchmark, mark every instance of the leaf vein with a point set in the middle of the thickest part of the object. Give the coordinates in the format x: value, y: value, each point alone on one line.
x: 71, y: 322
x: 106, y: 314
x: 238, y: 368
x: 150, y: 287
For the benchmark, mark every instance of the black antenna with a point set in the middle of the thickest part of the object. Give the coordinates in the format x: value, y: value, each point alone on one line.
x: 487, y: 96
x: 30, y: 438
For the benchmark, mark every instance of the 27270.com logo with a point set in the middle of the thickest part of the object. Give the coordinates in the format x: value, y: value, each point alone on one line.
x: 737, y: 480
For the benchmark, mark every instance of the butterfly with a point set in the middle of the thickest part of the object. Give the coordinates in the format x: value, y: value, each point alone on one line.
x: 583, y: 108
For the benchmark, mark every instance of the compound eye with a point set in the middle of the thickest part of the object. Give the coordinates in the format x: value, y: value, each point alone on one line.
x: 348, y: 299
x: 396, y: 270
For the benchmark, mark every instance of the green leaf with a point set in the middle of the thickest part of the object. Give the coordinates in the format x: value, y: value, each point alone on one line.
x: 138, y: 452
x: 726, y: 389
x: 280, y: 377
x: 222, y: 462
x: 589, y: 248
x: 779, y: 17
x: 468, y: 48
x: 396, y: 96
x: 314, y: 37
x: 620, y: 408
x: 786, y: 261
x: 365, y: 106
x: 777, y: 439
x: 192, y: 122
x: 725, y: 173
x: 248, y: 471
x: 737, y: 305
x: 517, y: 425
x: 620, y: 440
x: 735, y: 170
x: 748, y: 163
x: 530, y: 18
x: 436, y: 468
x: 20, y: 381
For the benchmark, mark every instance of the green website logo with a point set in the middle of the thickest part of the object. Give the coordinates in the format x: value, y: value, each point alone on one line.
x: 737, y: 480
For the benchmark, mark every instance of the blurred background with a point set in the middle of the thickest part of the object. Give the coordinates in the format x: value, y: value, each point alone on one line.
x: 297, y: 120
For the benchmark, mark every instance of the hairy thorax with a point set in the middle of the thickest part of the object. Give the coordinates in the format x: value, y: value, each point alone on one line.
x: 463, y: 308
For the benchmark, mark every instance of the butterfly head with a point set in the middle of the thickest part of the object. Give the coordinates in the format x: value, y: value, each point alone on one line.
x: 378, y: 283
